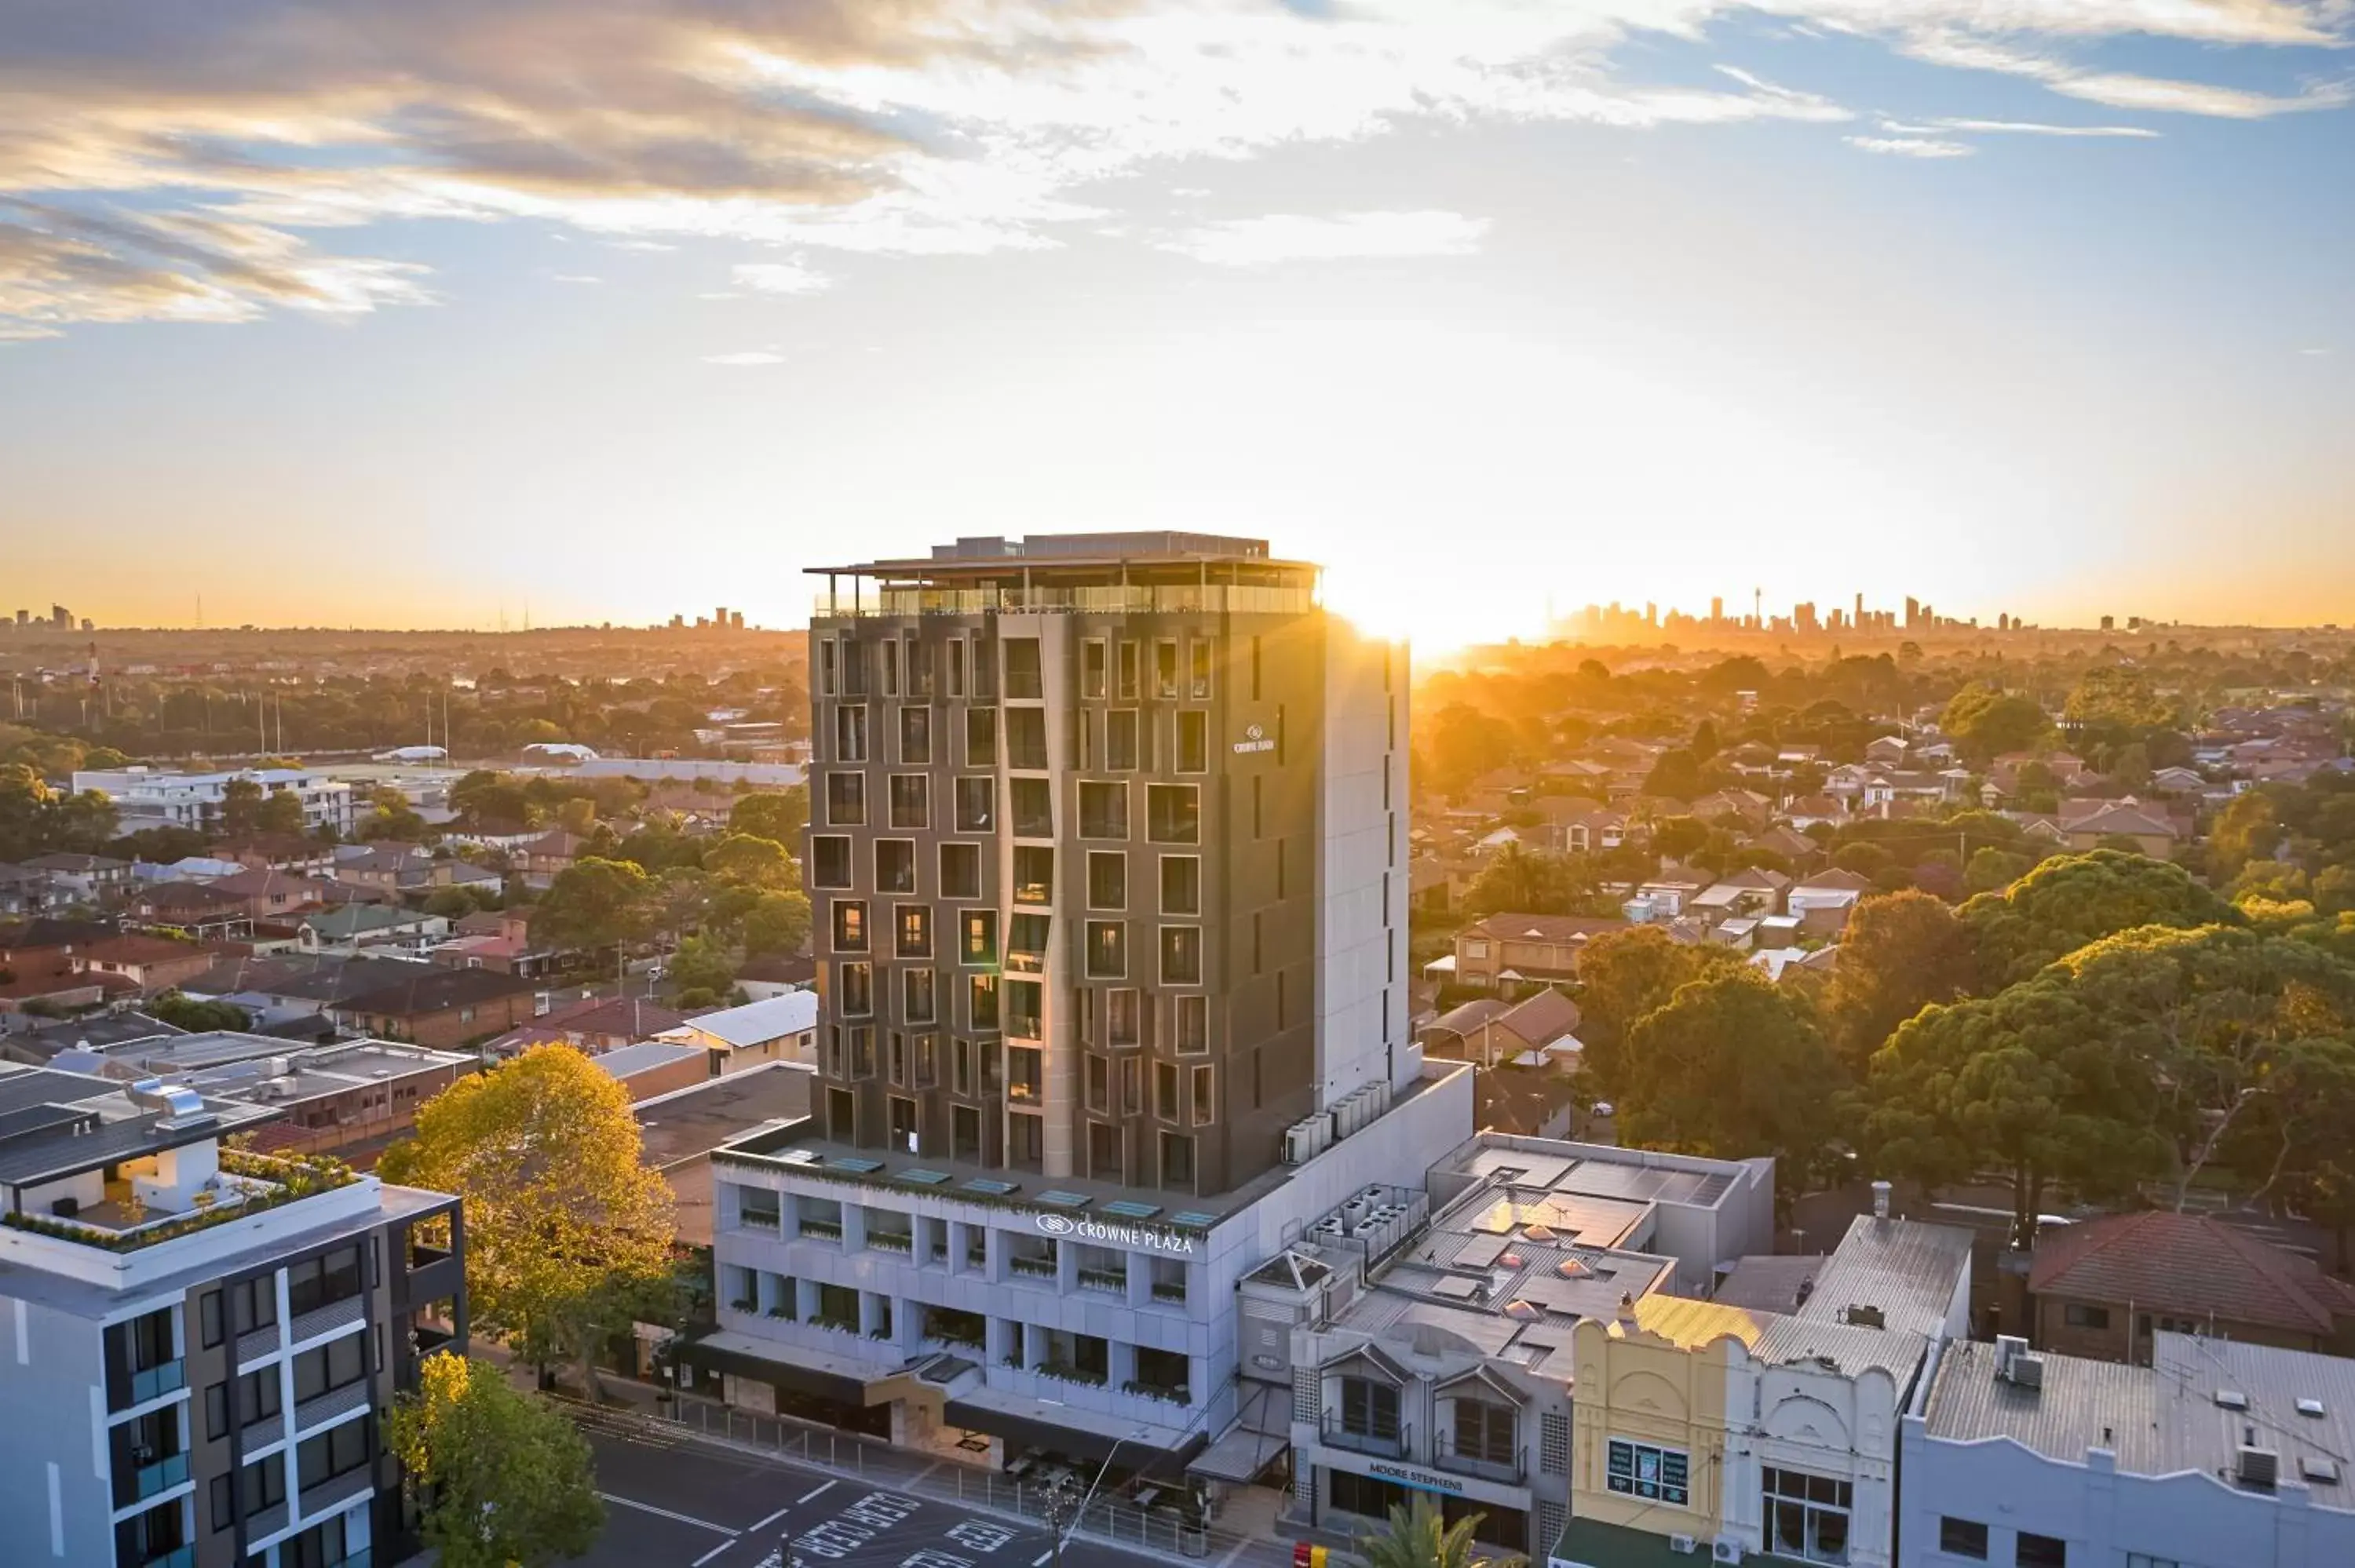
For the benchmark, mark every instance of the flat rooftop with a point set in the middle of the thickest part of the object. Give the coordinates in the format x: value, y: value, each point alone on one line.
x: 54, y: 1124
x: 1595, y: 1171
x: 689, y: 1122
x: 2165, y: 1418
x: 988, y: 553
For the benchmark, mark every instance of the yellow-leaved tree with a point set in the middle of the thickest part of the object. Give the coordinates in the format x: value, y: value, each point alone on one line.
x: 568, y: 1235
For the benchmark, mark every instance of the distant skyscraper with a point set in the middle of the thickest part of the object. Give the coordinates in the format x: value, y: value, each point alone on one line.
x: 1717, y: 611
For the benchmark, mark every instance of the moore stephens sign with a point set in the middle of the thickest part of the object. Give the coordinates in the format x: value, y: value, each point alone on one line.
x: 1151, y: 1238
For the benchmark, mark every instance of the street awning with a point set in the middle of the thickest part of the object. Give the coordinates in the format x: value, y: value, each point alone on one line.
x: 1083, y: 1434
x: 1443, y: 965
x: 1260, y: 1436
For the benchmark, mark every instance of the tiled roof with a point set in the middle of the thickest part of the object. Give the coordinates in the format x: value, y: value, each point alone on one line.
x: 1508, y: 927
x: 2188, y: 1266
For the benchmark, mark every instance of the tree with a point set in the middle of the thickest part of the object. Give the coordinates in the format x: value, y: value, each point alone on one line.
x: 1985, y: 721
x: 280, y: 812
x: 1419, y: 1536
x: 391, y: 816
x: 2113, y: 700
x: 779, y: 815
x: 1465, y: 742
x: 2274, y: 880
x: 778, y: 923
x: 701, y: 964
x: 242, y: 807
x: 500, y: 1477
x: 1524, y: 883
x: 563, y: 1223
x: 746, y: 861
x: 1624, y: 975
x: 1901, y: 953
x: 1991, y: 870
x: 2247, y: 829
x: 198, y: 1017
x: 1731, y: 1067
x: 577, y: 815
x: 453, y: 904
x: 2027, y: 1082
x: 594, y: 904
x: 1676, y: 775
x: 2071, y: 900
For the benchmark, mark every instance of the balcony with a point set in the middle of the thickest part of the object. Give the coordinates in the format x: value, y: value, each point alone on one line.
x: 1169, y: 1290
x: 149, y: 1480
x: 323, y: 1320
x: 823, y: 1230
x: 1109, y: 1281
x: 258, y: 1344
x: 900, y: 1242
x: 1035, y: 1268
x: 153, y: 1383
x: 325, y: 1407
x: 1503, y: 1472
x: 177, y: 1557
x: 1176, y: 599
x: 325, y: 1496
x: 1384, y: 1439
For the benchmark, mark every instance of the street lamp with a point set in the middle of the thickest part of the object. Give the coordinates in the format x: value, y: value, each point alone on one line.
x: 785, y: 1547
x: 1061, y: 1523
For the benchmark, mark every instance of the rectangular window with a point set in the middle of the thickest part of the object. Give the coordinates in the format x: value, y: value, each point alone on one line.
x: 1026, y: 739
x: 1026, y: 1142
x: 1129, y: 671
x: 1132, y: 1087
x: 825, y: 684
x: 1177, y: 1159
x: 862, y: 1051
x: 2077, y: 1315
x: 208, y: 1311
x: 960, y: 1068
x: 1025, y: 1077
x: 992, y: 1077
x: 1034, y: 873
x: 896, y: 1055
x: 912, y: 800
x: 890, y: 668
x: 845, y: 799
x: 1164, y: 1092
x: 854, y: 668
x: 257, y: 1396
x: 1032, y: 803
x: 842, y: 1116
x: 338, y: 1451
x: 2034, y: 1551
x: 1173, y: 813
x: 829, y: 861
x: 1164, y: 670
x: 916, y: 737
x: 1104, y: 1162
x: 1099, y: 1084
x: 1483, y: 1430
x: 1198, y: 652
x: 920, y: 668
x: 1963, y: 1538
x: 1192, y: 1029
x: 1023, y: 683
x: 1122, y: 1011
x: 338, y: 1363
x: 965, y: 1134
x: 895, y: 865
x: 928, y: 1047
x: 1255, y: 669
x: 981, y: 737
x: 960, y: 871
x: 850, y: 733
x: 1027, y: 936
x: 1107, y: 949
x: 1806, y: 1516
x: 904, y: 1123
x: 1181, y: 955
x: 1206, y: 1105
x: 978, y: 946
x: 1107, y: 879
x: 321, y: 1281
x: 1091, y: 668
x: 1025, y: 1004
x: 858, y: 989
x: 252, y: 1304
x: 1193, y: 741
x: 217, y: 1412
x: 849, y: 924
x: 956, y: 667
x: 981, y: 1005
x: 1181, y: 884
x: 915, y: 931
x: 263, y: 1484
x: 1104, y: 810
x: 1120, y: 741
x: 1646, y: 1470
x: 976, y: 803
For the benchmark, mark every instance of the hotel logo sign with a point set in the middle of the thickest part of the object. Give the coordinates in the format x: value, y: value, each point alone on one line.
x: 1254, y: 739
x: 1151, y: 1238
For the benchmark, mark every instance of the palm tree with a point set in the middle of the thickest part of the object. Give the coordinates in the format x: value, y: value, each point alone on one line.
x: 1418, y: 1537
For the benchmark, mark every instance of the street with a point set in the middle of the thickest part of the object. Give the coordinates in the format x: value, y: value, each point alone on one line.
x: 679, y: 1503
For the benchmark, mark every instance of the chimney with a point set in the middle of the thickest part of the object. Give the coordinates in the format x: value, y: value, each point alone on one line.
x: 1628, y: 1309
x: 1881, y: 1200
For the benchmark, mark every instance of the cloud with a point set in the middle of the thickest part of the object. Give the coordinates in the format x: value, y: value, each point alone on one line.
x: 1912, y: 147
x: 573, y: 278
x: 2315, y: 353
x: 780, y: 278
x: 903, y: 127
x: 748, y: 356
x: 1281, y: 237
x: 2013, y: 127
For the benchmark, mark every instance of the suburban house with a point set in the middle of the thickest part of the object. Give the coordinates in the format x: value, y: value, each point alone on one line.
x: 591, y: 1024
x: 1832, y: 888
x: 276, y: 895
x: 1510, y: 950
x: 2219, y: 1452
x: 774, y: 974
x: 382, y: 867
x: 1752, y: 890
x: 351, y: 927
x: 2086, y: 823
x: 83, y: 878
x: 1571, y: 824
x: 654, y: 1067
x: 24, y: 891
x: 1667, y: 892
x: 197, y: 908
x: 151, y: 963
x: 1536, y: 1031
x: 782, y: 1028
x: 440, y: 1007
x: 295, y: 853
x: 2107, y: 1287
x: 539, y: 860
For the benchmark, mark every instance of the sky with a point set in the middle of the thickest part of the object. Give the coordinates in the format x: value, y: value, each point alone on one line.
x: 445, y: 312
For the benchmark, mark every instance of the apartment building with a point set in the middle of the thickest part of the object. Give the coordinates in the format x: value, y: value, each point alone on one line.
x: 208, y: 1336
x: 1436, y: 1355
x: 144, y: 798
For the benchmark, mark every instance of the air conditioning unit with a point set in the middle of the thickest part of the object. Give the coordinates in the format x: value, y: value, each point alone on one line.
x: 2258, y: 1467
x: 1683, y: 1543
x: 1299, y: 1146
x: 1725, y: 1548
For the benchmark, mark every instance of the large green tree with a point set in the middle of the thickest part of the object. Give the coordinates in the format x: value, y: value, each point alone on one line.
x: 565, y: 1228
x: 1901, y: 953
x: 501, y: 1478
x: 1732, y: 1066
x: 1528, y: 881
x: 1621, y: 976
x: 1985, y: 721
x: 779, y: 815
x: 743, y: 861
x: 776, y: 923
x: 2071, y: 900
x: 594, y: 904
x: 2247, y: 829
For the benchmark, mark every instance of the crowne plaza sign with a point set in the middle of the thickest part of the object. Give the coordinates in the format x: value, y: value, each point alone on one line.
x: 1149, y: 1238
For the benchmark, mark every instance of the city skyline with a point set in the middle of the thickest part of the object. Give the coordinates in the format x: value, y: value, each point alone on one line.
x: 405, y: 323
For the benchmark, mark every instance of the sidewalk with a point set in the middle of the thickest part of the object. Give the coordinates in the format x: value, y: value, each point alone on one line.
x: 633, y: 1409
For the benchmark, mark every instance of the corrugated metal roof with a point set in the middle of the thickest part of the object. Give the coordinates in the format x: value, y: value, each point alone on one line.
x: 1906, y: 1269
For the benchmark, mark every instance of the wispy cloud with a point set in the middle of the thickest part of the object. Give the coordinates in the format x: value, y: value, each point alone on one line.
x: 574, y: 277
x: 1912, y: 146
x: 779, y: 278
x: 2120, y: 91
x: 747, y: 356
x: 1285, y: 236
x: 2012, y: 128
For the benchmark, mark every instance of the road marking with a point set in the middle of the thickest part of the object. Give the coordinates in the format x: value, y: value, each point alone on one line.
x: 820, y: 1491
x: 714, y: 1552
x: 666, y: 1513
x: 779, y: 1514
x: 1041, y: 1557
